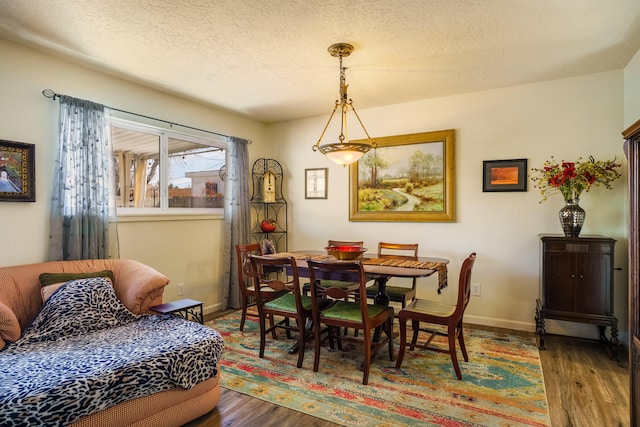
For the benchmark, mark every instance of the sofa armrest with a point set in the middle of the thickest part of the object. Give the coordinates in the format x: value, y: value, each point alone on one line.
x: 138, y: 285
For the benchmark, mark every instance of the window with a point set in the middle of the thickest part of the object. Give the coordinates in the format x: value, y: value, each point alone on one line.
x: 163, y: 171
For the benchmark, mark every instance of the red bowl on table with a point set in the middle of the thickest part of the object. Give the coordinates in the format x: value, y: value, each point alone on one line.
x: 345, y: 252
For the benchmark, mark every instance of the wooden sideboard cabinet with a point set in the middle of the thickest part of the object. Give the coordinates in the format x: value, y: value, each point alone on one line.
x: 632, y: 152
x: 577, y: 284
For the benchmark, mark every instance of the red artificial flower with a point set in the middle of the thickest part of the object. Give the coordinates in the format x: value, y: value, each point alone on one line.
x: 591, y: 178
x: 569, y: 170
x: 557, y: 180
x: 572, y: 178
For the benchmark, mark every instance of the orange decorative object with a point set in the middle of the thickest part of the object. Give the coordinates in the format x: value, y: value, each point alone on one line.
x: 268, y: 225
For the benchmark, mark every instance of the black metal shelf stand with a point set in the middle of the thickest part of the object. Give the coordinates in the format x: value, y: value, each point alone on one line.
x: 276, y: 210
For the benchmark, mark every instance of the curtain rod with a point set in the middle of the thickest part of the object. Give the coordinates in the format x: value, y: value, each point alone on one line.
x: 48, y: 93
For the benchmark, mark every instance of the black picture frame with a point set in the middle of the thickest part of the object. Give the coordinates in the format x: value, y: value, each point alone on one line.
x: 17, y: 172
x: 504, y: 175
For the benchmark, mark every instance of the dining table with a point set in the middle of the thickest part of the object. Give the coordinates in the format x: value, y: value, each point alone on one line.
x: 378, y: 268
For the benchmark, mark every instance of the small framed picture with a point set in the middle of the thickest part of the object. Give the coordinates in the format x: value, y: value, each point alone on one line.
x: 315, y: 183
x: 504, y: 175
x: 268, y: 247
x: 17, y: 172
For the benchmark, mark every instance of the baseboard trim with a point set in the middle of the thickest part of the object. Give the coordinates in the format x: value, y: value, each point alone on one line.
x: 552, y: 326
x: 500, y: 323
x: 213, y: 308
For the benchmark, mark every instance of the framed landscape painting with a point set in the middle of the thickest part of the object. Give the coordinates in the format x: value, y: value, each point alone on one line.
x: 405, y: 178
x: 17, y: 172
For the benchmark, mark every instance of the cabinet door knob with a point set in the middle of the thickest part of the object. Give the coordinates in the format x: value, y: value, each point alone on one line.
x: 573, y: 276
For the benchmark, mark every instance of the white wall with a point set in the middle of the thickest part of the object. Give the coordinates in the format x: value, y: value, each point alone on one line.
x: 188, y: 249
x: 188, y: 252
x: 566, y: 118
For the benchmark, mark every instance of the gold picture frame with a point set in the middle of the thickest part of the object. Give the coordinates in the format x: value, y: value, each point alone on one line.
x: 405, y: 178
x: 17, y: 172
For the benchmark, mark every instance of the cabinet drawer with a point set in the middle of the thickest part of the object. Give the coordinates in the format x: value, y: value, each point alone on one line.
x: 574, y: 247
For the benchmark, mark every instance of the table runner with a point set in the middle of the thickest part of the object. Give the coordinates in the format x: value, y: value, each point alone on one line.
x: 440, y: 267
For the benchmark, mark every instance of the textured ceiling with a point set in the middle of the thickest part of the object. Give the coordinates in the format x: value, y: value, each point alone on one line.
x: 268, y: 60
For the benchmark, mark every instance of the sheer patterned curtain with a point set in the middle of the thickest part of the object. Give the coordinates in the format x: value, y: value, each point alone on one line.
x: 237, y: 215
x: 82, y: 205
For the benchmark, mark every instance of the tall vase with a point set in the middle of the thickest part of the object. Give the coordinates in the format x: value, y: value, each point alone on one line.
x: 571, y: 218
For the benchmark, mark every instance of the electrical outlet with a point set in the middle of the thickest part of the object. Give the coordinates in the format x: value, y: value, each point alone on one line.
x: 475, y: 289
x: 180, y: 288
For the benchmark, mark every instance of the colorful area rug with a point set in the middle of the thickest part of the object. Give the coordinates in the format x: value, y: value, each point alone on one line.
x: 502, y: 384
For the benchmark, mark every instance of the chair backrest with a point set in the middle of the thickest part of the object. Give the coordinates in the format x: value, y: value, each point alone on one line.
x: 262, y: 265
x: 344, y: 243
x: 399, y: 250
x: 464, y: 285
x: 404, y: 250
x: 245, y: 274
x: 323, y: 273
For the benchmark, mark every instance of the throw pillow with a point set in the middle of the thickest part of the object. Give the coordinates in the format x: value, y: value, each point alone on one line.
x: 50, y: 278
x: 50, y: 282
x: 9, y: 326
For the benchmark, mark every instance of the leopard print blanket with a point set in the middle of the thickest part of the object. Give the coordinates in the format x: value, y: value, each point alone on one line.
x: 85, y: 351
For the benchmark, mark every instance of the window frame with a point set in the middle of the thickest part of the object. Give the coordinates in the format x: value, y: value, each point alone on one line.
x: 164, y: 135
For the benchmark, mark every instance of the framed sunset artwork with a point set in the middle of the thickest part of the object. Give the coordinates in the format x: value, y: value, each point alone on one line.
x: 504, y: 175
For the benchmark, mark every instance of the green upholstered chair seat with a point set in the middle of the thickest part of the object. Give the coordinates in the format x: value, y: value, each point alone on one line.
x: 287, y: 302
x: 343, y: 310
x: 335, y: 284
x: 391, y: 291
x: 331, y: 284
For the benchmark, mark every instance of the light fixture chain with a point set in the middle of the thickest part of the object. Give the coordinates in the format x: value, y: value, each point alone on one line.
x: 343, y: 82
x: 343, y: 152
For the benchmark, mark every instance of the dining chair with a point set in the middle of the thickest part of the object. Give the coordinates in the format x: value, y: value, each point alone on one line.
x: 245, y: 281
x: 290, y: 305
x: 435, y: 313
x: 335, y: 283
x: 345, y: 313
x: 401, y: 294
x: 338, y: 283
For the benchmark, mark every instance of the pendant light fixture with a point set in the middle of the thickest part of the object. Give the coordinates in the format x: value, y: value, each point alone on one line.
x: 343, y: 152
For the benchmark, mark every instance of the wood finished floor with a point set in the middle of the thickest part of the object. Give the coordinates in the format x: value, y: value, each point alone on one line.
x: 584, y: 388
